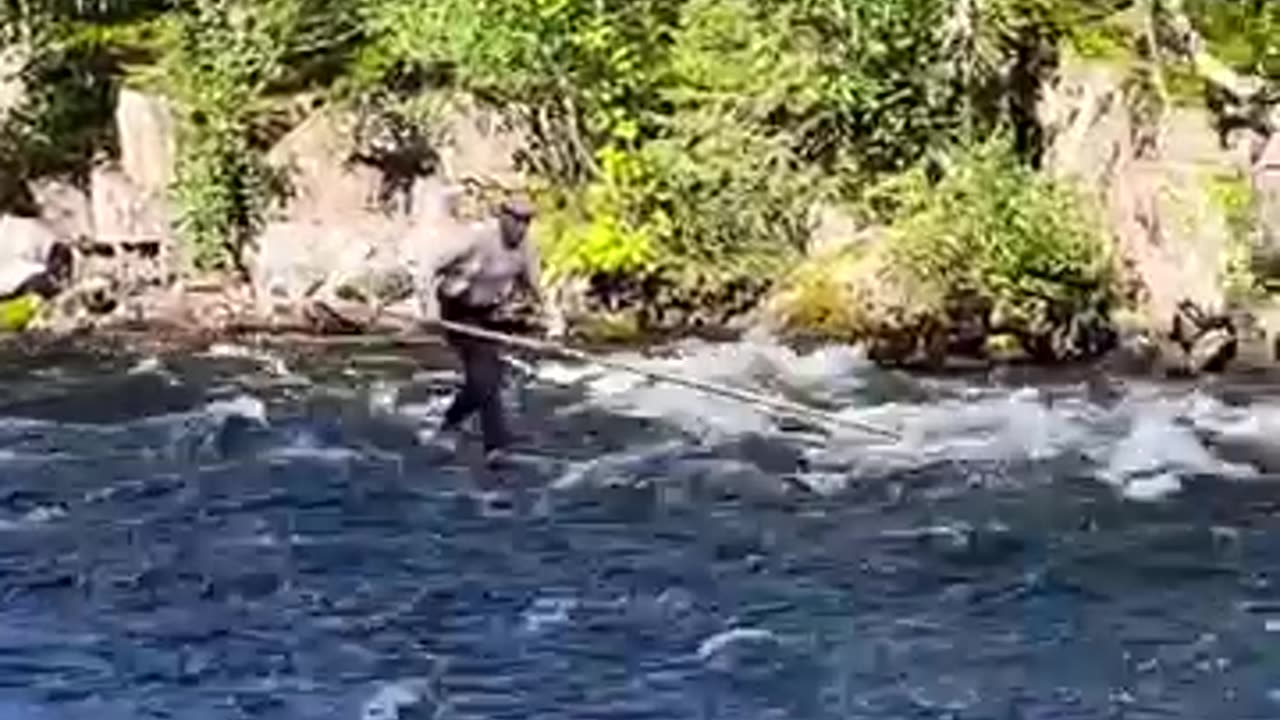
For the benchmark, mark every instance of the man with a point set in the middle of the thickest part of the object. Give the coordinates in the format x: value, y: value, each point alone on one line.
x: 469, y: 278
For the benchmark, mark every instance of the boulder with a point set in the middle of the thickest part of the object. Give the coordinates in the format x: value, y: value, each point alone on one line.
x: 1152, y: 184
x: 294, y: 261
x: 326, y: 184
x: 121, y: 211
x: 334, y: 171
x: 16, y: 272
x: 352, y: 229
x: 1212, y: 351
x: 1266, y: 185
x: 852, y: 294
x: 1209, y: 340
x: 147, y: 130
x: 481, y: 144
x: 26, y: 240
x: 26, y: 285
x: 133, y: 238
x: 333, y: 235
x: 65, y: 208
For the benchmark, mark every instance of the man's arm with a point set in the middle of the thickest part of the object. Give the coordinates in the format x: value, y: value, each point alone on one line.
x: 437, y: 259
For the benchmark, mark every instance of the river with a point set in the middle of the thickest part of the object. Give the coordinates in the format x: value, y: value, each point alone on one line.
x: 274, y: 534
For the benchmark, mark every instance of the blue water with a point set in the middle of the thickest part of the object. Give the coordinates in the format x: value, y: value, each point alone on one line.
x: 211, y: 537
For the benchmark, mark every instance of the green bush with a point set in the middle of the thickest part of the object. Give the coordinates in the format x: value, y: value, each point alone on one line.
x: 971, y: 255
x: 747, y: 114
x: 683, y: 144
x: 586, y: 73
x: 1234, y: 195
x: 225, y: 61
x: 63, y: 115
x: 1246, y: 35
x: 993, y: 236
x: 224, y: 55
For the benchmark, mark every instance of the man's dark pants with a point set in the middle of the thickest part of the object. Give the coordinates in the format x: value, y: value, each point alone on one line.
x: 481, y: 389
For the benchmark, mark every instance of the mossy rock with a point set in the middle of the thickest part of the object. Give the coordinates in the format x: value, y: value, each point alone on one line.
x: 16, y: 314
x: 1005, y: 348
x: 854, y: 295
x: 619, y: 327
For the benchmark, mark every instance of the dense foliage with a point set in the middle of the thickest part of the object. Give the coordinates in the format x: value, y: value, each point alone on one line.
x: 1244, y: 34
x: 682, y: 145
x: 992, y: 248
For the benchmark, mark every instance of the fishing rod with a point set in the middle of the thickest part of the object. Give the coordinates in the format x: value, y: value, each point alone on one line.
x: 785, y: 407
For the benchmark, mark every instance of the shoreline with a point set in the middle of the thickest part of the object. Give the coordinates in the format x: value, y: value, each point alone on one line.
x: 167, y: 336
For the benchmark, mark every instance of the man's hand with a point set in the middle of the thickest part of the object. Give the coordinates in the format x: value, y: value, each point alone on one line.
x: 550, y: 323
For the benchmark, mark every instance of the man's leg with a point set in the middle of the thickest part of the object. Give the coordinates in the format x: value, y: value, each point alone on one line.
x: 488, y: 369
x: 467, y: 398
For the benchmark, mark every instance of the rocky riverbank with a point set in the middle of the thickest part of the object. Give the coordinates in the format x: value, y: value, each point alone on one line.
x: 1145, y: 238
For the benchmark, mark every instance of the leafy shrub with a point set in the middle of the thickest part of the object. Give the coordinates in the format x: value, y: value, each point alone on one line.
x: 585, y: 72
x: 995, y: 237
x: 59, y: 113
x: 987, y: 248
x: 225, y: 59
x: 1243, y: 34
x: 1235, y: 196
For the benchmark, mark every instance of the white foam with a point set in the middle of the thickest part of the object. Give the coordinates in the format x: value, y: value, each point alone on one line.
x: 722, y: 650
x: 1255, y: 422
x: 147, y: 365
x: 245, y: 406
x: 620, y: 465
x: 391, y: 699
x: 383, y: 398
x: 1145, y: 445
x: 546, y: 613
x: 274, y: 363
x: 1161, y: 450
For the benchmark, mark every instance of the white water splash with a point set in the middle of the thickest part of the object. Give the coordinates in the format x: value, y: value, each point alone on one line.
x: 547, y: 613
x: 148, y: 365
x: 271, y: 361
x: 1145, y: 444
x: 391, y: 700
x: 244, y: 406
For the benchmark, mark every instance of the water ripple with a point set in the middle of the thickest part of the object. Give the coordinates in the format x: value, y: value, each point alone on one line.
x: 1022, y: 552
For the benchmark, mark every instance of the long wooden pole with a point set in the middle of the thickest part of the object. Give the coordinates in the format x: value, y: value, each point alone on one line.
x: 784, y: 407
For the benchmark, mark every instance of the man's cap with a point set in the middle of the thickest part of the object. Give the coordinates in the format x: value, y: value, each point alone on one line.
x: 517, y: 207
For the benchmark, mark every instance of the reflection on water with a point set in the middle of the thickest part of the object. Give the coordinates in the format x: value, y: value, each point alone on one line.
x: 240, y: 535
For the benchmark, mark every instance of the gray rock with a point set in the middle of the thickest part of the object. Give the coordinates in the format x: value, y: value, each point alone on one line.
x: 1150, y: 183
x: 15, y: 272
x: 1266, y: 184
x: 479, y: 143
x: 122, y: 211
x: 148, y: 141
x: 326, y: 184
x: 25, y: 239
x: 293, y: 261
x: 1213, y: 351
x: 64, y: 208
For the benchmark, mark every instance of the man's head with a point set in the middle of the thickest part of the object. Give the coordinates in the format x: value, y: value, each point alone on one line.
x: 514, y: 216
